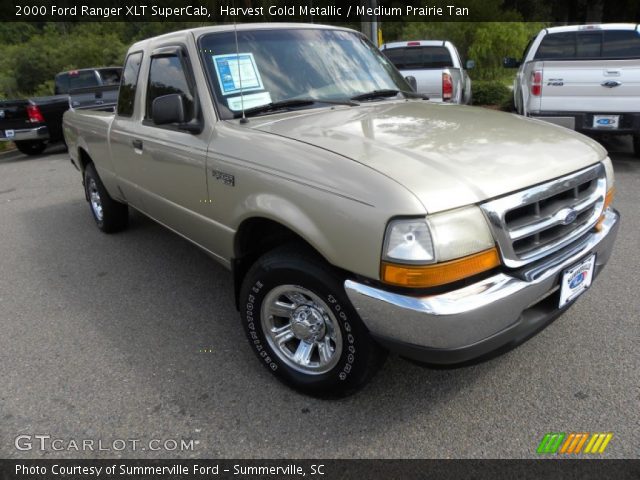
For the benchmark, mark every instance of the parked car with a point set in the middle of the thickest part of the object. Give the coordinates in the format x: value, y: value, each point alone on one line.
x: 355, y: 216
x: 35, y: 122
x: 583, y: 77
x: 437, y: 67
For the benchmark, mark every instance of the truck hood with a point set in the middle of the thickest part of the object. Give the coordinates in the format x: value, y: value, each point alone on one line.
x: 447, y: 155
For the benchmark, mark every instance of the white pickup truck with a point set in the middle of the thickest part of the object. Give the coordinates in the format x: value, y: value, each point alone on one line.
x: 436, y: 67
x: 583, y: 77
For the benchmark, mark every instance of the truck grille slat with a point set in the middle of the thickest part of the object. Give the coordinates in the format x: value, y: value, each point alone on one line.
x: 536, y: 222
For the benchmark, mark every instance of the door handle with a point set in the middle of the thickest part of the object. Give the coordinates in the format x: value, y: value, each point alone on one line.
x: 137, y: 144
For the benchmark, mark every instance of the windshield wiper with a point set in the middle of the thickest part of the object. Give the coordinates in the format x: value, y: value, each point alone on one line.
x: 295, y: 102
x: 387, y: 93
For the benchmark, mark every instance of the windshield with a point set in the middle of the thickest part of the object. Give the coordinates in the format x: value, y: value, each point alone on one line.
x: 284, y: 64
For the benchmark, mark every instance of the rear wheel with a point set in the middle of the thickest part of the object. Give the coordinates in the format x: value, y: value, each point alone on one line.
x: 31, y: 147
x: 302, y: 326
x: 110, y: 215
x: 636, y: 145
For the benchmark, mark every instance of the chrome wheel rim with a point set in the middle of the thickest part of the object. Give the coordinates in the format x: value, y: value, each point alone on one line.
x: 94, y: 200
x: 301, y: 329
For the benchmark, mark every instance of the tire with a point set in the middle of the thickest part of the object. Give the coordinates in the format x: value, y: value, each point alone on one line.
x: 31, y: 147
x: 110, y: 215
x: 337, y: 356
x: 636, y: 145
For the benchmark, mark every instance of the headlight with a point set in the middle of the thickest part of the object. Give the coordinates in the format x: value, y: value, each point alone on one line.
x: 439, y: 249
x: 460, y: 232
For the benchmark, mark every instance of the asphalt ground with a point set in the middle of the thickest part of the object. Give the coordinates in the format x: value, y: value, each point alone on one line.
x: 135, y: 336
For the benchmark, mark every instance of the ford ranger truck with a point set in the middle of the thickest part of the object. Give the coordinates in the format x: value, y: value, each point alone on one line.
x: 356, y: 218
x: 583, y: 77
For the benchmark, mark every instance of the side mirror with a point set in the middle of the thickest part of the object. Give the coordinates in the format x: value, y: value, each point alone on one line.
x: 471, y: 64
x: 510, y: 62
x: 411, y: 80
x: 168, y: 109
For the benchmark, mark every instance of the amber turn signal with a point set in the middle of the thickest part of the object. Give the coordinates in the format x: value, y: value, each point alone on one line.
x: 422, y: 276
x: 608, y: 200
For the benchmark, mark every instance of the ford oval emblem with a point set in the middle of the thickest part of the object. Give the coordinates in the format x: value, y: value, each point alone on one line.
x: 567, y: 216
x: 577, y: 280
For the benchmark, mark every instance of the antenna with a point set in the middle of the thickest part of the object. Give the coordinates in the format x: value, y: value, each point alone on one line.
x: 235, y: 32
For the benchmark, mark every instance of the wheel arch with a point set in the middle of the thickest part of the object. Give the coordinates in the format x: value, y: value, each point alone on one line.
x: 258, y: 235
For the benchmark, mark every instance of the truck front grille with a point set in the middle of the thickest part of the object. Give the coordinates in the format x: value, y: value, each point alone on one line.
x: 533, y: 223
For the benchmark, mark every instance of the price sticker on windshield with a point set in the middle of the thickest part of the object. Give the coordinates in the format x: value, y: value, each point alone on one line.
x: 237, y: 72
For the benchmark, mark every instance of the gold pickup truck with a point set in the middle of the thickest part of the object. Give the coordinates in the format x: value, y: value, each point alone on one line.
x: 356, y: 216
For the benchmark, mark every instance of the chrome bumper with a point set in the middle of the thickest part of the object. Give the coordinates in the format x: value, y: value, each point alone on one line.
x: 38, y: 133
x: 469, y: 322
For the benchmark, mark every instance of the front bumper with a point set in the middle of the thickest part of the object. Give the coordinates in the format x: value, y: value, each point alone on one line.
x: 500, y: 311
x: 37, y: 133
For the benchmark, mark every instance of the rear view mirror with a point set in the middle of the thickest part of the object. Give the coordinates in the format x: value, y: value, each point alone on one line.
x: 168, y: 109
x: 471, y: 64
x: 411, y: 80
x: 510, y: 62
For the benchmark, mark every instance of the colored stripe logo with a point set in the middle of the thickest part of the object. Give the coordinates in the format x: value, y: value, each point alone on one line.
x: 574, y: 443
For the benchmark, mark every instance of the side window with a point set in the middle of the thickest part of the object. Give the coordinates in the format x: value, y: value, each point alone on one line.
x: 167, y: 76
x: 557, y: 45
x: 127, y: 93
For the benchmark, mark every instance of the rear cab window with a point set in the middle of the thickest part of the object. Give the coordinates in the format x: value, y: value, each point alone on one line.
x: 590, y: 44
x: 419, y: 57
x: 128, y: 86
x: 67, y: 81
x: 82, y: 79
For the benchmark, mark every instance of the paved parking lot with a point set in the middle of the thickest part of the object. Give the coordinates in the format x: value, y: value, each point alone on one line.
x: 135, y: 336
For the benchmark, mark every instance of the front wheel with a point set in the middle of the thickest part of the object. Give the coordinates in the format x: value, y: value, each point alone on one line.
x: 31, y: 147
x: 302, y: 326
x: 636, y: 145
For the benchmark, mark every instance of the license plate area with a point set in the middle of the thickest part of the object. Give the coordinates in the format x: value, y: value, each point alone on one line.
x: 576, y: 280
x: 9, y: 134
x: 606, y: 122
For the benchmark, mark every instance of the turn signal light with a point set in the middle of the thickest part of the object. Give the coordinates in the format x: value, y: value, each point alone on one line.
x: 422, y: 276
x: 608, y: 200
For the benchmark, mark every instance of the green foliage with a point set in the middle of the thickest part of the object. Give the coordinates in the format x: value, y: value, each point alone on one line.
x: 491, y: 92
x: 28, y: 67
x: 495, y: 40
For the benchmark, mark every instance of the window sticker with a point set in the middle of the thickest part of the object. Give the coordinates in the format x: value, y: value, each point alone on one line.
x: 250, y: 101
x: 234, y: 70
